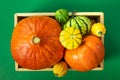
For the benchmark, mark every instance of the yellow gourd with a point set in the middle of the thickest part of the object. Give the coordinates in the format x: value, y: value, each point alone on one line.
x: 98, y: 29
x: 70, y: 37
x: 60, y: 69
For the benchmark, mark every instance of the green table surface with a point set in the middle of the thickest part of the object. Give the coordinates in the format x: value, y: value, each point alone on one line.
x: 112, y: 38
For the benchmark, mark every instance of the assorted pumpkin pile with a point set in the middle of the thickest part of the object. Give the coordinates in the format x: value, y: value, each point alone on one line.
x: 41, y: 42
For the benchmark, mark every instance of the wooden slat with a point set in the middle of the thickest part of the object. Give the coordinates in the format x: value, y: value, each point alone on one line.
x: 101, y: 14
x: 50, y: 69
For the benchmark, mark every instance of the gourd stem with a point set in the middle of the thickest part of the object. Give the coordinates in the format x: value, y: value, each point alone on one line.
x: 36, y: 40
x: 100, y: 33
x: 56, y: 75
x: 73, y: 14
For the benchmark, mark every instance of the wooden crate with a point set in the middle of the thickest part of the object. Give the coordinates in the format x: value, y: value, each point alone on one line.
x: 97, y: 16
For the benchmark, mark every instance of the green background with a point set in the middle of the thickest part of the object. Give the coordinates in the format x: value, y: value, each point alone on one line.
x: 112, y: 45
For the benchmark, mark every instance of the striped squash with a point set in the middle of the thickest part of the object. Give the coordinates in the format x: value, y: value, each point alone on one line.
x: 70, y: 37
x: 62, y: 15
x: 83, y: 23
x: 60, y: 69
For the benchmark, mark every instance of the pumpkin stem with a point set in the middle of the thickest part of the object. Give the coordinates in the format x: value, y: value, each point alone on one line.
x: 36, y: 40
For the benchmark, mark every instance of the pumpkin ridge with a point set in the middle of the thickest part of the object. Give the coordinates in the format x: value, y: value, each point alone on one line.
x: 37, y: 59
x: 29, y: 26
x: 97, y: 43
x: 50, y: 53
x: 33, y: 48
x: 82, y: 62
x: 45, y: 58
x: 40, y: 52
x: 26, y: 59
x: 46, y: 50
x: 36, y: 25
x: 34, y: 59
x: 93, y: 53
x: 96, y: 56
x: 45, y: 23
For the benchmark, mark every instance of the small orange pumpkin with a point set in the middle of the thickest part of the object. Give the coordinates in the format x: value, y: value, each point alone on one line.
x: 35, y: 42
x: 88, y: 56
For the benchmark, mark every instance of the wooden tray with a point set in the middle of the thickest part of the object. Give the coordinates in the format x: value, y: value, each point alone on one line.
x: 97, y: 16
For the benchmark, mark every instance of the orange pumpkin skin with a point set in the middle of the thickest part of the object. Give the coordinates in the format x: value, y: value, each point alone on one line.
x: 88, y: 56
x: 44, y: 54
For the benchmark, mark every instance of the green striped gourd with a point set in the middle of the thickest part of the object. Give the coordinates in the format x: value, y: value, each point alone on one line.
x: 62, y: 15
x: 83, y: 23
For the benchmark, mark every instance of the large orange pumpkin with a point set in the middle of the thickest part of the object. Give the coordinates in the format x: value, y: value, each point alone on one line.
x: 88, y: 56
x: 35, y: 42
